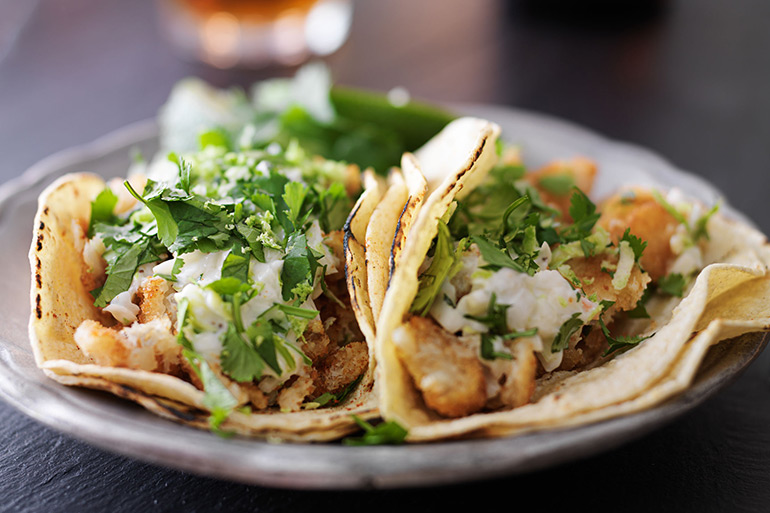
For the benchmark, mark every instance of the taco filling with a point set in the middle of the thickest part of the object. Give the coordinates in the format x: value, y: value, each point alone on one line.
x: 226, y: 269
x: 527, y: 276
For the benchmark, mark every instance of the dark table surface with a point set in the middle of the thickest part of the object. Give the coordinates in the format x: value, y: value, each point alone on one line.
x: 687, y: 79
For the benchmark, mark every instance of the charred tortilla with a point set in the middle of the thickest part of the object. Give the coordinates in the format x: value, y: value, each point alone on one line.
x: 63, y: 301
x: 426, y: 391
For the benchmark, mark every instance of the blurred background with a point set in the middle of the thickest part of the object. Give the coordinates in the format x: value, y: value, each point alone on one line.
x: 684, y: 78
x: 687, y: 79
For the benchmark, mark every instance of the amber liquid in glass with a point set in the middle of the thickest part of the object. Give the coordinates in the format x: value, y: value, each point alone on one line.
x: 247, y: 10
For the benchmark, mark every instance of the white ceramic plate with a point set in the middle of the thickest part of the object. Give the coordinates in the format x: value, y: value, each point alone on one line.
x: 123, y: 427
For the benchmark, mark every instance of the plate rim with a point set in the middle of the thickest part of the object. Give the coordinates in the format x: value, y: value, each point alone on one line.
x: 362, y: 474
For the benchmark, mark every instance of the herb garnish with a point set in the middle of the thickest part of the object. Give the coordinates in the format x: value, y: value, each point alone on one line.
x: 620, y: 343
x: 384, y: 433
x: 496, y: 323
x: 672, y: 284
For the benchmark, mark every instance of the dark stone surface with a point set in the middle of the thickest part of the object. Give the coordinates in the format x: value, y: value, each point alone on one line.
x: 686, y: 79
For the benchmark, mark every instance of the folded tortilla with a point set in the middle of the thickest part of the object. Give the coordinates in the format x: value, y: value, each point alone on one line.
x: 729, y: 298
x: 61, y: 302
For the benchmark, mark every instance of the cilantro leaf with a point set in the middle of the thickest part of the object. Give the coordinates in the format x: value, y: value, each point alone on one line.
x: 334, y: 206
x: 240, y: 359
x: 620, y: 343
x: 185, y: 171
x: 177, y: 267
x: 640, y: 310
x: 199, y: 226
x: 496, y: 257
x: 299, y: 265
x: 672, y: 284
x: 294, y: 197
x: 228, y: 286
x: 636, y: 244
x: 567, y: 329
x: 119, y: 278
x: 217, y: 398
x: 102, y: 209
x: 236, y: 264
x: 384, y: 433
x: 215, y: 137
x: 584, y: 216
x: 699, y: 230
x: 261, y: 332
x: 330, y: 399
x: 495, y: 320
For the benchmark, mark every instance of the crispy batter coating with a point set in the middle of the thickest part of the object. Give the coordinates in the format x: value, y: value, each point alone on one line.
x: 444, y: 369
x: 583, y: 351
x: 341, y: 368
x: 648, y: 220
x: 153, y: 293
x: 339, y: 321
x: 335, y: 242
x: 519, y: 382
x: 316, y: 343
x: 580, y: 169
x: 292, y: 397
x: 150, y: 346
x: 596, y: 281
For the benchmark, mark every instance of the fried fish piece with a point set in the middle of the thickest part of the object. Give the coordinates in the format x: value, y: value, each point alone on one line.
x: 639, y: 211
x: 579, y: 171
x: 596, y: 280
x: 445, y: 369
x: 150, y: 346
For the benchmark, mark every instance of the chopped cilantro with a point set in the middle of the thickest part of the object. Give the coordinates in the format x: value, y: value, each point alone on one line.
x: 620, y: 343
x: 495, y: 257
x: 584, y: 216
x: 330, y: 399
x: 640, y: 310
x: 178, y: 264
x: 672, y: 284
x: 567, y: 329
x: 299, y: 265
x: 636, y: 244
x: 699, y: 230
x: 495, y: 320
x: 384, y: 433
x: 240, y: 359
x: 217, y: 398
x: 496, y: 323
x: 236, y: 264
x: 294, y: 196
x: 102, y: 209
x: 671, y: 209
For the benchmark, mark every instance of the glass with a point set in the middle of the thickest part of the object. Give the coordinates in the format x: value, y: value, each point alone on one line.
x: 255, y: 33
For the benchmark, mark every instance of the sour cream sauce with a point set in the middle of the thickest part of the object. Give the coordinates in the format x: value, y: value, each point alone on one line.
x: 544, y: 301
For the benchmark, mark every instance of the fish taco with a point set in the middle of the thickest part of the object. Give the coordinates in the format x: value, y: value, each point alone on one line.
x: 210, y: 287
x: 521, y: 304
